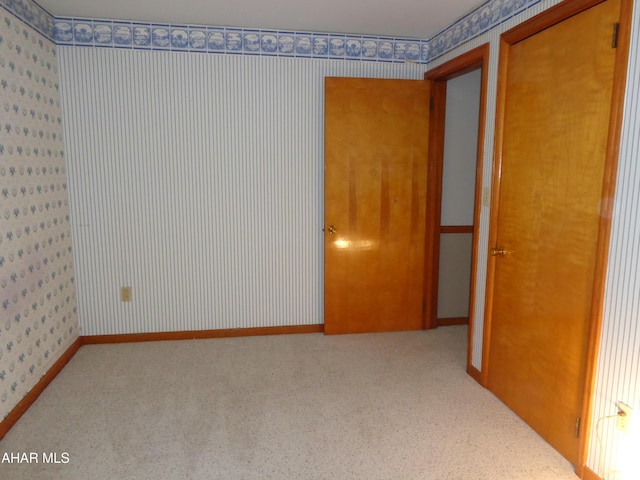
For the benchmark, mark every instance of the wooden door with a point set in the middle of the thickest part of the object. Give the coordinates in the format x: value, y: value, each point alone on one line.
x: 376, y: 138
x: 550, y: 180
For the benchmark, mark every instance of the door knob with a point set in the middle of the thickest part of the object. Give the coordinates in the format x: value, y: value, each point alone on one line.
x: 331, y: 229
x: 495, y: 251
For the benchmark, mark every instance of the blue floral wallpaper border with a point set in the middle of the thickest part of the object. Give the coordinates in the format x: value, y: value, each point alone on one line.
x: 245, y: 41
x: 481, y: 20
x: 33, y: 15
x: 116, y: 34
x: 191, y: 38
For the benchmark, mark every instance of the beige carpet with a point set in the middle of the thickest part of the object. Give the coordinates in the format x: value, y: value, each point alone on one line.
x: 380, y: 406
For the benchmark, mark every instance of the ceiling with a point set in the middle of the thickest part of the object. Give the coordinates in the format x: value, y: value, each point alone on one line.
x: 398, y: 18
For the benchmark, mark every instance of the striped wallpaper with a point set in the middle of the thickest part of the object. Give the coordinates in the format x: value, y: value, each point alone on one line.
x: 198, y: 181
x: 618, y: 373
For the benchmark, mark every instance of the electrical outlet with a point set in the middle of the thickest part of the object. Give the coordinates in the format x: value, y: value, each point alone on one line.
x: 125, y: 294
x: 624, y: 416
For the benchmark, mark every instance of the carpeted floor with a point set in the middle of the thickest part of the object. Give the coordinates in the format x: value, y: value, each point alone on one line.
x: 377, y: 406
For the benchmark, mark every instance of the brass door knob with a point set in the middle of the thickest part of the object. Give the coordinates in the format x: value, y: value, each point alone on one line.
x: 495, y: 251
x: 331, y: 229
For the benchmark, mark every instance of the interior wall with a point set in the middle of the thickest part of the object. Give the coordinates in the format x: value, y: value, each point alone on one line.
x: 460, y: 149
x: 454, y: 275
x: 116, y: 34
x: 458, y: 193
x: 197, y: 180
x: 617, y: 375
x: 37, y: 291
x: 618, y: 370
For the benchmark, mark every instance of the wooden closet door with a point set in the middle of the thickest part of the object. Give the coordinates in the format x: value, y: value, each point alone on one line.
x: 556, y: 122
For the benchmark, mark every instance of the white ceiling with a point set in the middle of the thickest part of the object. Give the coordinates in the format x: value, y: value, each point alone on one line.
x: 399, y: 18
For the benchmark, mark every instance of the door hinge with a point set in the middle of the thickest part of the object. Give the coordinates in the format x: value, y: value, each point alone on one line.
x: 614, y: 40
x: 424, y: 307
x: 431, y: 104
x: 578, y: 427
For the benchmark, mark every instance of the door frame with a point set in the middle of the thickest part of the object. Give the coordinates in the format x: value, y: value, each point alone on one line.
x: 465, y: 63
x: 546, y: 19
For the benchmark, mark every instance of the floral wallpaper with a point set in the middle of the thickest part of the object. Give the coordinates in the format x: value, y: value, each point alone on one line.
x: 38, y: 320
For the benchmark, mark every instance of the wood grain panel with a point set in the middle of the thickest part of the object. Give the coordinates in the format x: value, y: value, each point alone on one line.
x: 448, y: 322
x: 589, y: 474
x: 376, y: 137
x: 456, y: 229
x: 556, y: 119
x: 199, y: 334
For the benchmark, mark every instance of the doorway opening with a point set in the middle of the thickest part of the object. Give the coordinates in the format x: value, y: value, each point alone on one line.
x: 456, y: 138
x: 458, y: 198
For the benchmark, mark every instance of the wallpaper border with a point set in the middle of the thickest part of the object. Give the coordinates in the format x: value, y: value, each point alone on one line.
x: 31, y: 13
x: 234, y: 41
x: 137, y: 35
x: 479, y: 21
